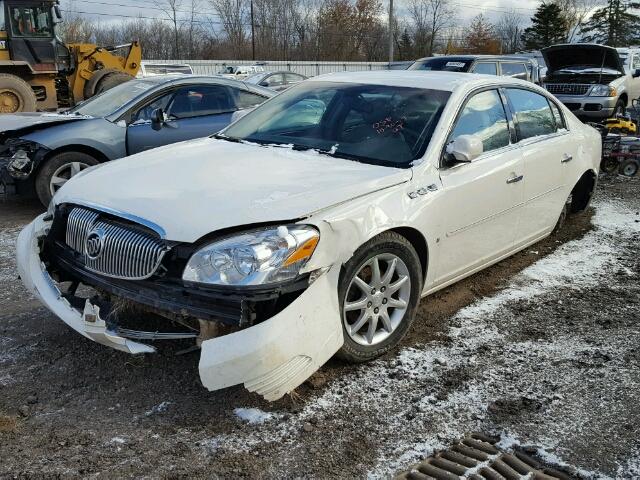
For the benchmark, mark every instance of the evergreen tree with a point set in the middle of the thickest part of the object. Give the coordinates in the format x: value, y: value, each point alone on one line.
x: 405, y: 46
x: 613, y: 25
x: 548, y: 27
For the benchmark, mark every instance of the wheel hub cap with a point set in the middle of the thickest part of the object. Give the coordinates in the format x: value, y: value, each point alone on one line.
x: 377, y: 299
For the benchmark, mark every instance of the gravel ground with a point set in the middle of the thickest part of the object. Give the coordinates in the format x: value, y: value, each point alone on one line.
x: 542, y: 349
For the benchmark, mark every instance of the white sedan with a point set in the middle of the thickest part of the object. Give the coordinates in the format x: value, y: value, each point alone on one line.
x: 312, y: 226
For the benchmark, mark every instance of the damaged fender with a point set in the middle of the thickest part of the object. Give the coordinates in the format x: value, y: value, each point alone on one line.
x: 36, y: 279
x: 277, y: 355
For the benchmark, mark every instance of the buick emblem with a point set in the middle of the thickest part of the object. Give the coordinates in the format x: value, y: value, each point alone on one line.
x: 94, y: 243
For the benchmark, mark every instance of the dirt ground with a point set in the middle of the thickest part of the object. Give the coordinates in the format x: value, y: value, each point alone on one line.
x: 542, y: 349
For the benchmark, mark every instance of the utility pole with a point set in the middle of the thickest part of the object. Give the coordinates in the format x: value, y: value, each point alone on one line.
x: 390, y: 31
x: 253, y: 38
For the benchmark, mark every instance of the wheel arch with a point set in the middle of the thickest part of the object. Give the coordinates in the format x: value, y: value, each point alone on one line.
x: 583, y: 190
x: 94, y: 152
x: 419, y: 243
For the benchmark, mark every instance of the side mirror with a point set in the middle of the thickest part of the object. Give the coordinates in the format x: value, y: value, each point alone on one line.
x: 636, y: 73
x: 263, y: 84
x: 157, y: 119
x: 465, y: 148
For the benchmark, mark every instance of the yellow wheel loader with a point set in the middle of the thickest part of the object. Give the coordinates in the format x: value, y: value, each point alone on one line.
x: 39, y: 72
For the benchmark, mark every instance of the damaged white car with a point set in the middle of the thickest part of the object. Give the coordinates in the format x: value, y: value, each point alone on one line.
x: 311, y: 226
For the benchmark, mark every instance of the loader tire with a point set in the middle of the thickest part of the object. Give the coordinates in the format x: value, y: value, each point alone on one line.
x: 16, y: 95
x: 112, y: 80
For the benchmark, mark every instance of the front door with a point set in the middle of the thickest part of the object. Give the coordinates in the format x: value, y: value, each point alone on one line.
x: 191, y: 111
x: 483, y: 197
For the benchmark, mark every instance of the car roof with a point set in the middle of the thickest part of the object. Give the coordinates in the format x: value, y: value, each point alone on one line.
x: 163, y: 81
x: 433, y: 80
x: 475, y: 57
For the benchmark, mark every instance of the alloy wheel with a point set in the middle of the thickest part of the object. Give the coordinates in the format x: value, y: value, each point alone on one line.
x: 377, y: 299
x: 64, y: 173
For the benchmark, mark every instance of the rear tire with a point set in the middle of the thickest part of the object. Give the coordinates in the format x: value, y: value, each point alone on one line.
x: 377, y: 309
x: 629, y: 168
x: 563, y: 215
x: 16, y: 95
x: 58, y: 170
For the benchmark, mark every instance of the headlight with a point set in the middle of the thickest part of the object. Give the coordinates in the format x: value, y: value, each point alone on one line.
x: 602, y: 91
x: 259, y: 257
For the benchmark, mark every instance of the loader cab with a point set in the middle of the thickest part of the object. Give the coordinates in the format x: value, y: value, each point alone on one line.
x: 28, y: 35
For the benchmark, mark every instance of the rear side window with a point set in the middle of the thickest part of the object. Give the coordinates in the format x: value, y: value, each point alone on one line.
x: 557, y: 114
x: 484, y: 117
x: 486, y: 68
x: 514, y: 70
x: 246, y: 99
x: 532, y: 113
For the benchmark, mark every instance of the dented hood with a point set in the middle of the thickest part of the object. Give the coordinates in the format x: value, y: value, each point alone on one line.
x: 583, y: 55
x: 29, y: 122
x: 194, y: 188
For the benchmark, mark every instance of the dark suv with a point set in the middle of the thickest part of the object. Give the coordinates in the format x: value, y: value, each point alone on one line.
x: 507, y: 65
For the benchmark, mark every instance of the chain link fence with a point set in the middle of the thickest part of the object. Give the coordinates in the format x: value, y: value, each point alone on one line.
x: 308, y: 69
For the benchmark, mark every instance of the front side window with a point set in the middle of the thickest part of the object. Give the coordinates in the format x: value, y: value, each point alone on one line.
x: 484, y: 117
x: 274, y: 80
x: 514, y: 70
x: 31, y: 21
x: 532, y: 113
x: 291, y: 78
x: 377, y: 124
x: 486, y: 68
x: 199, y: 100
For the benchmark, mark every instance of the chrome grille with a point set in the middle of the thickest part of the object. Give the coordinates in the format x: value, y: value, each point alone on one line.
x: 125, y: 251
x: 567, y: 88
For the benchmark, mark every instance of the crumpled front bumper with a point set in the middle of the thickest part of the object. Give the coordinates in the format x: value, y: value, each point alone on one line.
x: 271, y: 358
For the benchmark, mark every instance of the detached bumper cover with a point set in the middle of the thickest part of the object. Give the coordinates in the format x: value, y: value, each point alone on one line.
x: 271, y: 358
x: 36, y: 279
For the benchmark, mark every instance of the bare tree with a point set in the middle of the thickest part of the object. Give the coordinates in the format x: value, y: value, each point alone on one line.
x: 430, y: 18
x: 481, y: 36
x: 509, y: 28
x: 576, y: 14
x: 171, y: 8
x: 233, y: 15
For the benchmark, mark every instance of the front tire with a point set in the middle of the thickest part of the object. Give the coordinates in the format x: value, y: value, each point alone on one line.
x: 620, y: 108
x: 58, y: 170
x: 379, y: 291
x: 16, y: 95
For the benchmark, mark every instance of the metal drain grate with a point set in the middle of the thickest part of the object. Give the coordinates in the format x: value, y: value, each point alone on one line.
x: 477, y: 457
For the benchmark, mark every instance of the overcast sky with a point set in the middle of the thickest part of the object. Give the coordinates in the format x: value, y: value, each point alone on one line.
x: 113, y: 10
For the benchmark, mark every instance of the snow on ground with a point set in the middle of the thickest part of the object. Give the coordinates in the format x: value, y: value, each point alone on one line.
x: 387, y: 397
x: 253, y: 415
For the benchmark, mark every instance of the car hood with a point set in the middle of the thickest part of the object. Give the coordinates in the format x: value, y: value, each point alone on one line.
x: 23, y: 123
x: 194, y: 188
x: 558, y: 57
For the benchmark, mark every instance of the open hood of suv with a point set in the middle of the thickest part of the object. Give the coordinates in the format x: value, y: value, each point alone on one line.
x: 193, y: 188
x: 582, y: 54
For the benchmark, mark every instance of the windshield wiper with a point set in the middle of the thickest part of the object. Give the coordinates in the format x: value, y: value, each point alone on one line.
x: 220, y: 136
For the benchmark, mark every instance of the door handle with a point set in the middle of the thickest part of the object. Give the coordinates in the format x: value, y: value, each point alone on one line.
x: 566, y: 158
x: 515, y: 179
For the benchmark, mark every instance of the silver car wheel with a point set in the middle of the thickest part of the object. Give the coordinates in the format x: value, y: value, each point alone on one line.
x: 377, y: 299
x: 64, y: 173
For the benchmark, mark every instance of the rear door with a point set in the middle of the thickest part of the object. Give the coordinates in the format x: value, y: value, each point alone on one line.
x: 483, y: 197
x: 547, y: 153
x: 191, y: 111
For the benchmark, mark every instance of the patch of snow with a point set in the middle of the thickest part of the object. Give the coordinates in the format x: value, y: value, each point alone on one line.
x: 253, y: 415
x: 118, y: 440
x: 162, y: 407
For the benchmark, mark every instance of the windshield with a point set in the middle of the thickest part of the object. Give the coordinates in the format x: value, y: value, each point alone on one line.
x: 255, y: 78
x: 443, y: 64
x: 378, y: 124
x: 112, y: 100
x: 31, y: 21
